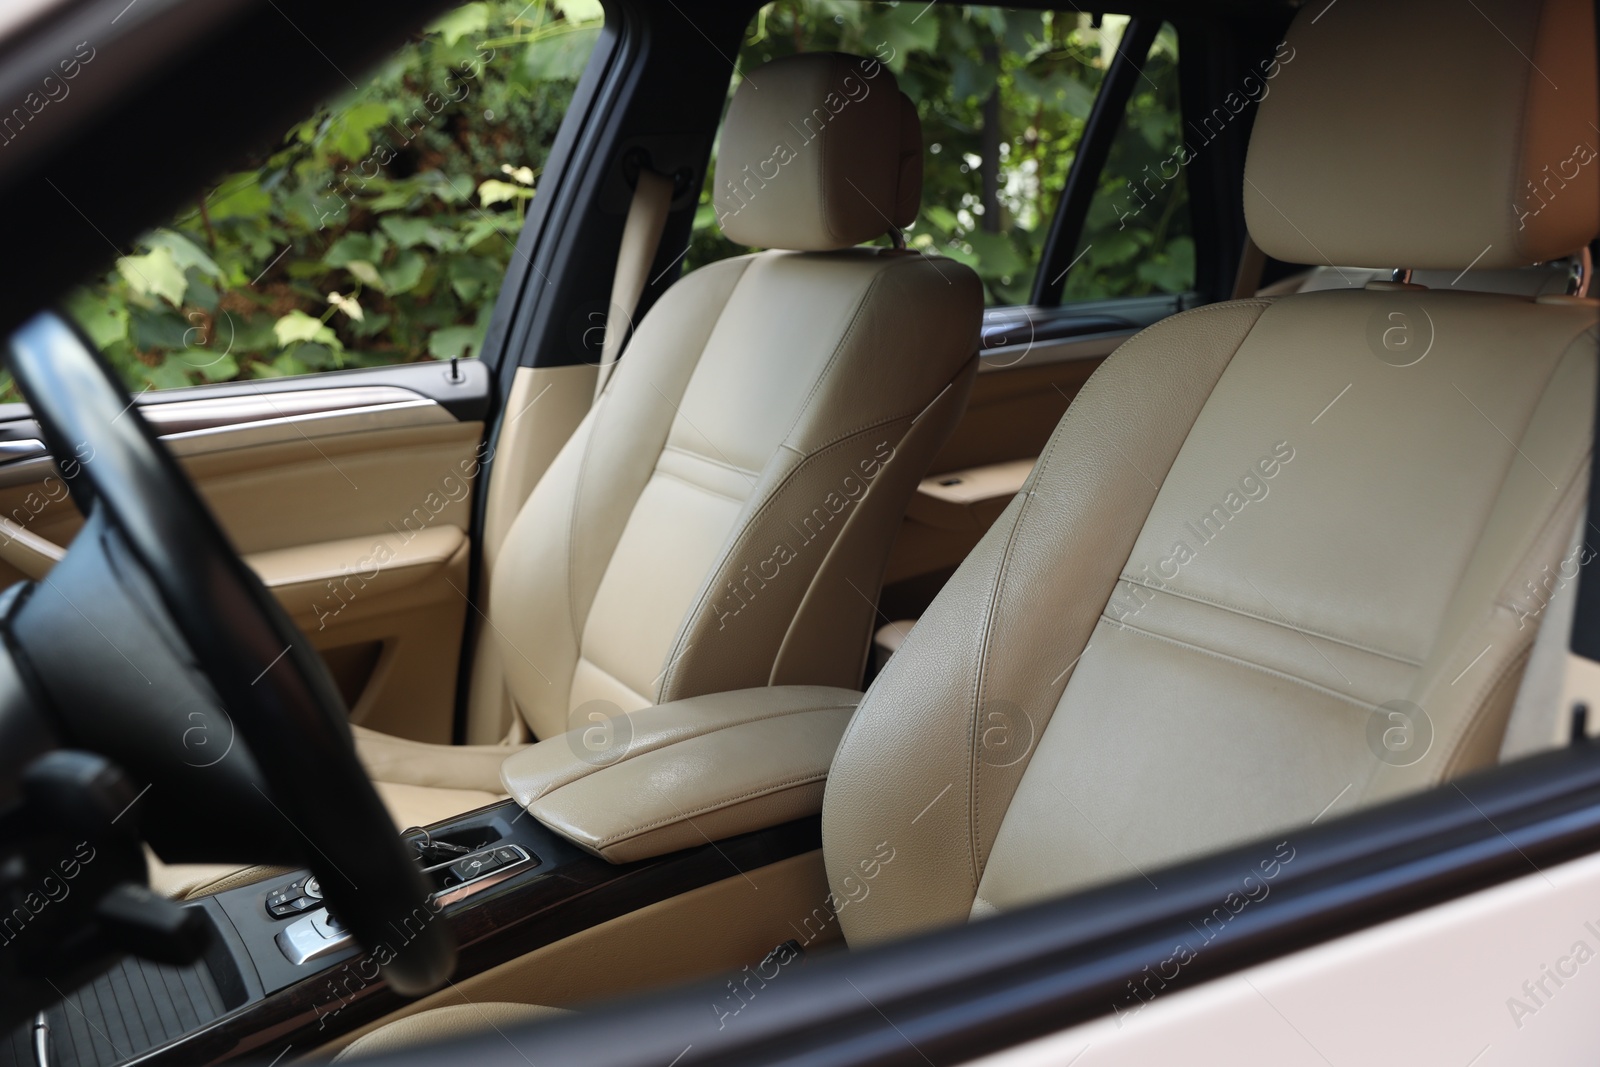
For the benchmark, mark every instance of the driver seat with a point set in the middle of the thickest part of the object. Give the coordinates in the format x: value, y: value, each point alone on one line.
x: 722, y: 516
x: 1272, y: 563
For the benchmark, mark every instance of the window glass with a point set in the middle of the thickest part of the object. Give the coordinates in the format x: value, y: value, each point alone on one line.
x: 1137, y: 238
x: 1003, y: 95
x: 374, y: 232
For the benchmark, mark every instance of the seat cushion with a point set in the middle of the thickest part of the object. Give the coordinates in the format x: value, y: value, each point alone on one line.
x: 474, y: 768
x: 443, y: 1024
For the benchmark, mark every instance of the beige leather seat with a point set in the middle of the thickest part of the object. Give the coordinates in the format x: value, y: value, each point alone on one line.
x: 1263, y: 522
x: 722, y: 517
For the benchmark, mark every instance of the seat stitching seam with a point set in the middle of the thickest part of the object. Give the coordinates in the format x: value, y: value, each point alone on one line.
x: 761, y: 509
x: 1235, y: 660
x: 1478, y: 706
x: 979, y: 690
x: 724, y: 464
x: 1284, y: 623
x: 694, y: 735
x: 839, y: 347
x: 1027, y: 495
x: 715, y: 805
x: 659, y: 473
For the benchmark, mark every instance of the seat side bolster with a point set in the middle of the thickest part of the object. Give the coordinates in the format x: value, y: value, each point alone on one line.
x: 931, y: 759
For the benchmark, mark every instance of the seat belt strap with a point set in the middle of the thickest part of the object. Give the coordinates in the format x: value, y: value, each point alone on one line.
x: 641, y: 236
x: 1252, y: 263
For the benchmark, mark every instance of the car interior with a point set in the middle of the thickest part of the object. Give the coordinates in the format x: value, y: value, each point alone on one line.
x: 835, y: 616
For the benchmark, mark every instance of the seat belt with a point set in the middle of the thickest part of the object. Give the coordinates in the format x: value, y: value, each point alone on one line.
x: 641, y: 236
x: 1252, y: 263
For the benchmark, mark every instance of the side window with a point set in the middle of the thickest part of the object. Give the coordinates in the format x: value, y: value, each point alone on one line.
x: 1137, y: 238
x: 1003, y: 95
x: 375, y: 232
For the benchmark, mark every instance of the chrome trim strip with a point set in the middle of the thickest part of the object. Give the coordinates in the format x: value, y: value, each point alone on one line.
x: 313, y: 935
x: 179, y: 416
x: 22, y: 448
x: 482, y: 882
x: 416, y: 412
x: 21, y: 462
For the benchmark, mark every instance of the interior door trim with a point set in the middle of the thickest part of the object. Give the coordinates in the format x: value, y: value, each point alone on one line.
x: 204, y: 425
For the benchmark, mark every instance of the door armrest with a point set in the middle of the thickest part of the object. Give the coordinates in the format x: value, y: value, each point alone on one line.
x: 678, y: 775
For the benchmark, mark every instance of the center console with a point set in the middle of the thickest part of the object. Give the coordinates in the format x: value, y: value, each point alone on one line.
x: 583, y: 841
x: 295, y: 980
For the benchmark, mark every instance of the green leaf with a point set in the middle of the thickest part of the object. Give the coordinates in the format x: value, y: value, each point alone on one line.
x: 354, y: 246
x: 348, y: 134
x: 452, y: 340
x: 366, y: 274
x: 102, y: 316
x: 493, y: 191
x: 407, y: 233
x: 171, y: 373
x: 240, y: 196
x: 469, y: 18
x: 156, y: 273
x: 218, y: 368
x: 185, y: 253
x: 298, y: 326
x: 472, y: 275
x: 404, y: 274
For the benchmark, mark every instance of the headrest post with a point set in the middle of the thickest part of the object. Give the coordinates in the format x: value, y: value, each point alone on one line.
x: 1581, y: 271
x: 897, y: 238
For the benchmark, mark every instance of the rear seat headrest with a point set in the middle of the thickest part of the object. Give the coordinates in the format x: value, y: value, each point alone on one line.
x: 819, y: 151
x: 1429, y: 134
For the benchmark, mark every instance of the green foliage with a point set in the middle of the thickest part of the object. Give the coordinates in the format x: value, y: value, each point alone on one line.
x: 1137, y: 237
x: 375, y: 232
x: 1042, y: 71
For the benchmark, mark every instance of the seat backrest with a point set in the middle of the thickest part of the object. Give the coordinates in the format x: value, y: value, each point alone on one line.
x: 721, y: 518
x: 1272, y: 563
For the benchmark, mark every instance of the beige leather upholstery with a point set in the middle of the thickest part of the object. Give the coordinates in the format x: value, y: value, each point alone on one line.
x: 442, y: 1024
x: 687, y: 772
x: 1259, y: 525
x: 1483, y: 112
x: 721, y: 518
x: 819, y: 151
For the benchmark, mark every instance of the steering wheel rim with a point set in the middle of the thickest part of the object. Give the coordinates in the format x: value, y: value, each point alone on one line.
x: 273, y: 685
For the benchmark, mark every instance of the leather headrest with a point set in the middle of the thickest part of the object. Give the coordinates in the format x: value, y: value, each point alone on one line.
x: 819, y: 151
x: 1429, y: 134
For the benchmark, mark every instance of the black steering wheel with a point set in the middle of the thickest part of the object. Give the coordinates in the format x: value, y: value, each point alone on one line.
x: 152, y: 628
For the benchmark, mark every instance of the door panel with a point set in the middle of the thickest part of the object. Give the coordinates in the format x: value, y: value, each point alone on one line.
x: 352, y: 501
x: 1020, y: 394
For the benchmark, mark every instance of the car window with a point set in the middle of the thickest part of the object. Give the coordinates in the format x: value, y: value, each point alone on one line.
x: 1003, y: 95
x: 1137, y: 239
x: 373, y: 232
